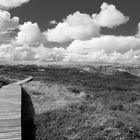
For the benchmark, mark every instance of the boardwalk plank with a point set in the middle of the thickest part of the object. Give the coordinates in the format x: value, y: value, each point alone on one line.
x: 10, y: 111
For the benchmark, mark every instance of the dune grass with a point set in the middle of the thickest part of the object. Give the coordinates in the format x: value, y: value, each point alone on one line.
x: 72, y: 103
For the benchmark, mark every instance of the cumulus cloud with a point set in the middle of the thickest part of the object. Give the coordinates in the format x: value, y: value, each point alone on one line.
x: 138, y: 33
x: 77, y: 26
x: 130, y: 56
x: 14, y: 53
x: 109, y: 16
x: 55, y: 54
x: 101, y: 49
x: 8, y: 25
x: 80, y: 26
x: 105, y: 48
x: 29, y: 34
x: 83, y: 30
x: 6, y: 22
x: 8, y: 4
x: 27, y: 53
x: 109, y: 43
x: 53, y: 22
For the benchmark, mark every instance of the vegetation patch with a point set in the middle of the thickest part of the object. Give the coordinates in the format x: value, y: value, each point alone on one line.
x: 82, y: 102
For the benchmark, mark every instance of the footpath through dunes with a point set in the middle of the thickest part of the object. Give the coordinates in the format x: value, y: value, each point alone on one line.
x: 10, y: 111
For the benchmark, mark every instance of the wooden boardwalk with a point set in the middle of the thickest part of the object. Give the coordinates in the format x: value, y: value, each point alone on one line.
x: 10, y: 111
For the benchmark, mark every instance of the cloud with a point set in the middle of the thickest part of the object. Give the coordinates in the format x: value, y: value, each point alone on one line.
x: 77, y: 26
x: 82, y: 30
x: 80, y: 26
x: 23, y: 54
x: 27, y: 53
x: 13, y: 52
x: 53, y: 22
x: 29, y: 34
x: 8, y: 25
x: 105, y: 48
x: 102, y: 49
x: 138, y: 33
x: 108, y: 48
x: 6, y: 22
x: 8, y: 4
x: 55, y: 54
x: 109, y: 43
x: 7, y: 37
x: 109, y: 16
x: 130, y: 56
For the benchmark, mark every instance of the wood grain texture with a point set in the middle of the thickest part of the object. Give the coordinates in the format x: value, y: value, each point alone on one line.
x: 10, y: 111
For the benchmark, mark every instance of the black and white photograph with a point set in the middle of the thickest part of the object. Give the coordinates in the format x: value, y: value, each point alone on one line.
x: 69, y: 69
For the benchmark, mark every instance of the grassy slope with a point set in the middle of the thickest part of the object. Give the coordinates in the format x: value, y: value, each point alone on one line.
x: 109, y: 109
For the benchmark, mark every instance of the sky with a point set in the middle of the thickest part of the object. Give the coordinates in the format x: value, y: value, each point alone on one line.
x: 43, y: 11
x: 70, y: 31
